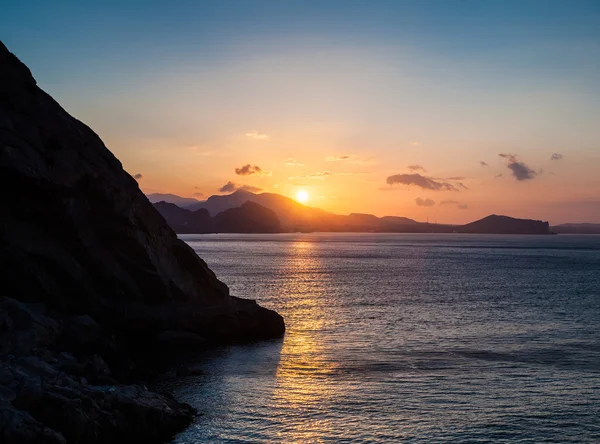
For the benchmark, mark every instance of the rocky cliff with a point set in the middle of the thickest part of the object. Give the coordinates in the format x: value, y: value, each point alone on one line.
x: 94, y: 282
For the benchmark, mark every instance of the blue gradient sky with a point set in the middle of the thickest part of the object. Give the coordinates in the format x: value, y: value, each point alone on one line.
x: 355, y: 91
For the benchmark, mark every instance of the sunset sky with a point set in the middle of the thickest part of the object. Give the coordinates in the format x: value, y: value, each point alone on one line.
x: 450, y: 110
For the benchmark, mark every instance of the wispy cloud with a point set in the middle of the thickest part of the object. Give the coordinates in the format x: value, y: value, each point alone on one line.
x: 317, y: 175
x: 198, y: 194
x: 424, y: 202
x: 138, y: 176
x: 350, y: 158
x: 230, y: 187
x: 556, y: 156
x: 520, y: 170
x: 482, y: 163
x: 256, y: 135
x: 459, y: 205
x: 414, y: 168
x: 420, y: 181
x: 339, y: 158
x: 196, y: 150
x: 293, y: 162
x: 248, y: 169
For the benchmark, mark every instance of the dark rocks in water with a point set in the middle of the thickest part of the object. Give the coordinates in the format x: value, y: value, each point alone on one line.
x: 56, y: 397
x: 93, y: 279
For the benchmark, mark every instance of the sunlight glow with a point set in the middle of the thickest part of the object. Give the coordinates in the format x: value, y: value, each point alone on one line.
x: 302, y: 196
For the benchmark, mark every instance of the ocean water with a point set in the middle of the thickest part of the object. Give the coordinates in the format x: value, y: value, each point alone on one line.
x: 406, y: 338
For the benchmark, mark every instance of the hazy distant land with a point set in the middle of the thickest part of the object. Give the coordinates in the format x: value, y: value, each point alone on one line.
x: 273, y: 213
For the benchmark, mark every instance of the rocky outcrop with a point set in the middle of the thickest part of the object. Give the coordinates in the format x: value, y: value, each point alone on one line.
x: 94, y: 283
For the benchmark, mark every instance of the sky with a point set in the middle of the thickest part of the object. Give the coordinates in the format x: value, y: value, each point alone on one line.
x: 442, y: 110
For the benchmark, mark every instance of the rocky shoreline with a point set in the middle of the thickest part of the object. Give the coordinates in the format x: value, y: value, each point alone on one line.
x: 97, y: 291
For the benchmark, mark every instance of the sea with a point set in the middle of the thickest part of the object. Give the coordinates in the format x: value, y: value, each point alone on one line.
x: 419, y: 338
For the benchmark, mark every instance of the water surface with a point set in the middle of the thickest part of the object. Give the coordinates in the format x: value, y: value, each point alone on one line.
x: 406, y: 337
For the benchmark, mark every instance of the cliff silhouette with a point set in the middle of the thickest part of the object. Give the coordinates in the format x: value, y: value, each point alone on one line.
x: 95, y: 284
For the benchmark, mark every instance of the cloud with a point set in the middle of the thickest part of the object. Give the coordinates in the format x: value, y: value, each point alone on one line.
x: 196, y: 150
x: 414, y: 168
x: 498, y: 175
x: 256, y: 135
x: 424, y: 202
x: 250, y: 188
x: 520, y: 170
x: 198, y: 194
x: 248, y: 169
x: 460, y: 206
x: 293, y: 162
x: 556, y: 156
x: 339, y: 158
x: 230, y: 186
x: 420, y: 181
x: 138, y: 176
x: 350, y: 158
x: 482, y: 163
x: 463, y: 186
x: 317, y: 175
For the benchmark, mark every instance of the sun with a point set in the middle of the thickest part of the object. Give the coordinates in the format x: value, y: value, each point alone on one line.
x: 302, y: 196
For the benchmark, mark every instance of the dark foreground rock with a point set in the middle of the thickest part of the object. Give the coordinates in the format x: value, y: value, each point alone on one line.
x: 95, y: 286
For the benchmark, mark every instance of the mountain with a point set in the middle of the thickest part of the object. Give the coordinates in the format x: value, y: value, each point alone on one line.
x: 249, y: 218
x: 585, y: 228
x: 297, y: 217
x: 97, y: 289
x: 183, y: 202
x: 186, y: 221
x: 495, y: 224
x: 293, y: 215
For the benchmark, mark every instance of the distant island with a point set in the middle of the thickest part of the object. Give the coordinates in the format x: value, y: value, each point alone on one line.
x: 576, y: 229
x: 247, y: 212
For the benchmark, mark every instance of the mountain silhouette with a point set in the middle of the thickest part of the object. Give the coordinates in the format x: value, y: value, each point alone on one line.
x: 297, y: 217
x: 183, y: 202
x: 250, y: 217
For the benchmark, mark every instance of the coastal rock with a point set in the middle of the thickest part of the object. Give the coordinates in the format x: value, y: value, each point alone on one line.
x: 91, y: 275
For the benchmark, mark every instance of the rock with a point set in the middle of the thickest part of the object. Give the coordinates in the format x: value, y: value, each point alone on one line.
x: 91, y: 274
x: 96, y: 369
x: 179, y: 339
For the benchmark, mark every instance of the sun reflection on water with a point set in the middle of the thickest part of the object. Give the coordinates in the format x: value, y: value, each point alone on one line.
x: 300, y: 389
